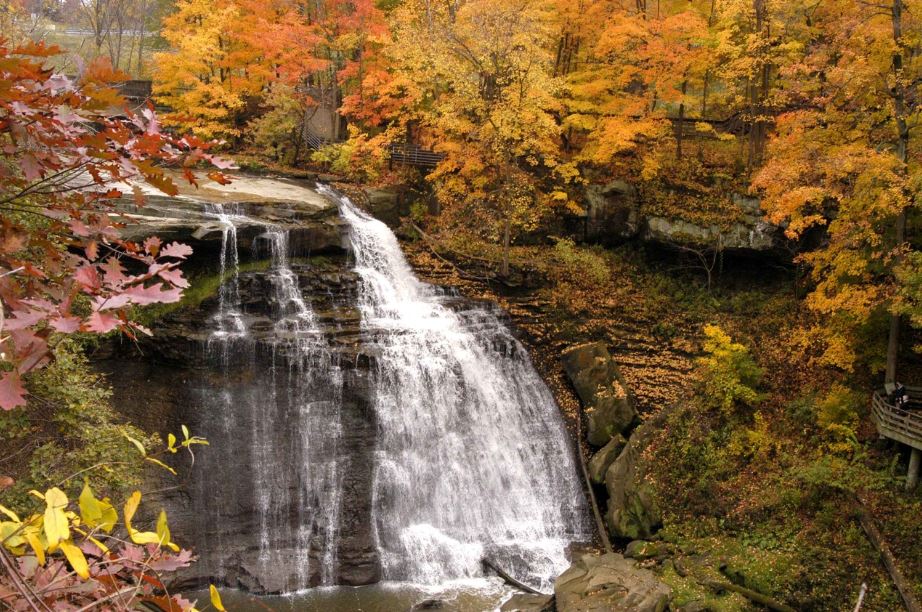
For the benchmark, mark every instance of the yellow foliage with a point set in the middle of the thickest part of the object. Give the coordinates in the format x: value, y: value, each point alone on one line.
x: 57, y: 526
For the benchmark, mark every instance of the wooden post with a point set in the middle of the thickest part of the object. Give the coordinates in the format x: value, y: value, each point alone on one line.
x: 912, y: 475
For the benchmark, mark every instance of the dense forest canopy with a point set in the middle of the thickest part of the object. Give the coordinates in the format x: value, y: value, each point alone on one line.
x: 811, y: 107
x: 523, y: 107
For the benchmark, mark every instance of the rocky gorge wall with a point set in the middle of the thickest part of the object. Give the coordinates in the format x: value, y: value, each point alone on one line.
x: 168, y: 380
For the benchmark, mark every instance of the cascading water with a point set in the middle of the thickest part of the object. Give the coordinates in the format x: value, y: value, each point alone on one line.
x: 472, y: 459
x: 277, y: 401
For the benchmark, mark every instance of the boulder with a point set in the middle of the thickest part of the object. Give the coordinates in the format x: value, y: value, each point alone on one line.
x: 642, y: 550
x: 610, y: 583
x: 606, y: 400
x: 614, y: 214
x: 387, y: 204
x: 526, y: 602
x: 633, y: 510
x: 602, y: 460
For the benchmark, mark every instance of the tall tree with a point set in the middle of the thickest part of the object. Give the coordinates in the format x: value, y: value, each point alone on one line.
x: 842, y: 162
x: 204, y: 78
x: 487, y: 101
x: 633, y: 78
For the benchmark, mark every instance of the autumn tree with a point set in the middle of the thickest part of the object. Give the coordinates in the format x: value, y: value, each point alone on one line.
x: 203, y: 78
x: 487, y: 101
x: 756, y: 39
x: 842, y: 162
x: 628, y: 78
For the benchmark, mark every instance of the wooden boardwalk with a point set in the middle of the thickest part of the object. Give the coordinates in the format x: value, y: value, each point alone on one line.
x: 902, y: 425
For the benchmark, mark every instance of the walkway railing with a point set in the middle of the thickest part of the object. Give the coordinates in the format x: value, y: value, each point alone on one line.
x: 414, y: 155
x: 898, y: 423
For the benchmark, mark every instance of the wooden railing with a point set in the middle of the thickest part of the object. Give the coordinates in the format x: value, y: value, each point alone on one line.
x: 414, y: 155
x: 897, y: 423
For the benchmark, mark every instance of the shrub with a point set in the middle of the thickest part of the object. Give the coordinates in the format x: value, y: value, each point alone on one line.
x: 69, y: 427
x: 727, y: 374
x: 837, y: 417
x: 581, y: 266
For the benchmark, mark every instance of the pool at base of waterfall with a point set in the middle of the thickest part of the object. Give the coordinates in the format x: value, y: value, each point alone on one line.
x: 475, y: 595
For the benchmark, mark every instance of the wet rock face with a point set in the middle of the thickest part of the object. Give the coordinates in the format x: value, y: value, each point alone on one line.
x: 613, y: 212
x: 215, y: 508
x: 610, y: 583
x: 313, y: 227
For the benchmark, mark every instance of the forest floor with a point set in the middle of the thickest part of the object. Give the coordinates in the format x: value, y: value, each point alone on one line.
x: 767, y: 498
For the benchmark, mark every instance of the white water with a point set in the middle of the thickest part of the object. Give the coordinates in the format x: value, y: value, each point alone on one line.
x: 472, y: 458
x: 296, y: 487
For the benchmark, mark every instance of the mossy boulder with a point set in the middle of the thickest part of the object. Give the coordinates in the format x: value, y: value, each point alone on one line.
x: 607, y: 402
x: 642, y: 550
x: 388, y: 204
x: 633, y: 508
x: 610, y: 583
x: 602, y: 460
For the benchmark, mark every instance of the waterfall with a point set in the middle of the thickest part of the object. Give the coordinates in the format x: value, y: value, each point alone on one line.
x: 228, y: 317
x: 472, y: 458
x: 276, y: 404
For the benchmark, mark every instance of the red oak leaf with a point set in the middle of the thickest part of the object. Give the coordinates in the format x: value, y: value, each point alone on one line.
x: 12, y: 393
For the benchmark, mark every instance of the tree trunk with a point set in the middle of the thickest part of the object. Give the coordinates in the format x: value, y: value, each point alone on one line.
x: 902, y: 151
x: 142, y: 30
x: 507, y: 231
x: 880, y: 544
x: 680, y: 131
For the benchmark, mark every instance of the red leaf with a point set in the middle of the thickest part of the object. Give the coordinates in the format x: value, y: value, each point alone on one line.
x: 65, y: 325
x: 101, y: 323
x: 152, y: 245
x: 113, y: 271
x: 87, y: 277
x: 153, y: 295
x: 22, y: 319
x: 31, y: 350
x: 12, y: 393
x: 219, y: 178
x: 171, y: 563
x: 79, y: 228
x: 176, y: 249
x: 31, y: 168
x: 174, y: 277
